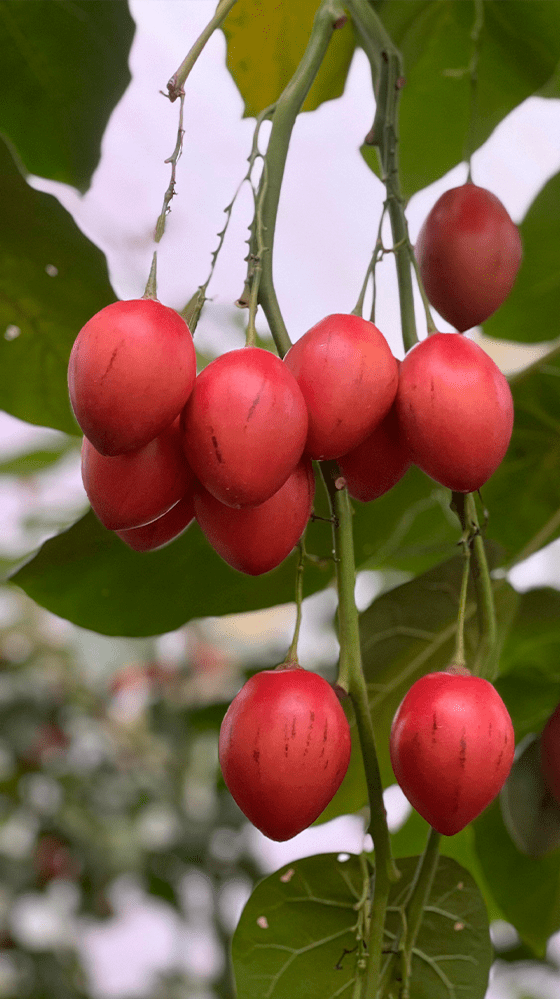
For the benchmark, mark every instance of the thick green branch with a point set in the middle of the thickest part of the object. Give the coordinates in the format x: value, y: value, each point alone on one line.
x: 328, y: 17
x: 176, y: 83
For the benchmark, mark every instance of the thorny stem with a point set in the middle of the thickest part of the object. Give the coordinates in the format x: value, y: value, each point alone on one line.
x: 173, y: 159
x: 292, y: 656
x: 386, y: 64
x: 150, y: 290
x: 351, y: 678
x: 177, y: 82
x: 329, y: 16
x: 256, y: 260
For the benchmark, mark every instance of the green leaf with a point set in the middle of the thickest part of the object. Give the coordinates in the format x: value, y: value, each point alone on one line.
x: 63, y: 69
x: 518, y: 51
x: 89, y: 576
x: 527, y: 889
x: 529, y: 471
x: 410, y: 631
x: 36, y: 461
x: 297, y: 936
x: 453, y: 952
x: 42, y: 312
x: 265, y: 43
x: 530, y: 312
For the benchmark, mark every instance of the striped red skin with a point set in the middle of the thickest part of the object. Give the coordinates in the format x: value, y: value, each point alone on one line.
x: 162, y: 531
x: 455, y: 409
x: 284, y: 749
x: 348, y: 377
x: 550, y: 753
x: 257, y: 539
x: 133, y: 489
x: 469, y: 252
x: 244, y: 426
x: 378, y: 463
x: 131, y: 371
x: 452, y: 746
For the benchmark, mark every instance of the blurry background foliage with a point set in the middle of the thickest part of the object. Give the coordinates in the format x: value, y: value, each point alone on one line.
x: 104, y: 777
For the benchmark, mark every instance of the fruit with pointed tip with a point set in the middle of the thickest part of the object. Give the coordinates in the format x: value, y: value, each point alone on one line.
x: 451, y: 746
x: 284, y: 749
x: 379, y: 462
x: 163, y: 530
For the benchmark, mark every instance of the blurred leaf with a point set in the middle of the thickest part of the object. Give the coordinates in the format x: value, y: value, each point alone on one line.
x: 89, y: 576
x: 410, y: 631
x: 265, y: 42
x: 530, y: 812
x: 527, y: 889
x: 530, y: 312
x: 453, y: 953
x: 529, y: 471
x: 519, y: 49
x: 42, y: 312
x: 36, y: 461
x: 51, y: 111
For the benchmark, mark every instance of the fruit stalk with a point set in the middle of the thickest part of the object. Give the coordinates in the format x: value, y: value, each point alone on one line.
x: 386, y: 64
x: 465, y: 507
x: 351, y: 678
x: 287, y: 109
x: 418, y: 898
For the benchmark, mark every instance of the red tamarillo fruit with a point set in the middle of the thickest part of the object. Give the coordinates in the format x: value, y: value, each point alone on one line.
x: 131, y: 371
x: 284, y: 748
x: 377, y: 464
x: 452, y: 746
x: 162, y: 530
x: 468, y: 253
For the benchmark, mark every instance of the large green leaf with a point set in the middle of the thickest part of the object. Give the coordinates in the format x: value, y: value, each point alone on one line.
x: 530, y: 312
x: 527, y: 889
x: 52, y: 280
x: 88, y: 575
x: 518, y: 51
x: 523, y: 496
x: 298, y: 936
x: 63, y: 67
x: 265, y: 42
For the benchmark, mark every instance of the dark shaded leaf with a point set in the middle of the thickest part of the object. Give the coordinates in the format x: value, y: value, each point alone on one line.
x: 63, y: 69
x: 44, y: 310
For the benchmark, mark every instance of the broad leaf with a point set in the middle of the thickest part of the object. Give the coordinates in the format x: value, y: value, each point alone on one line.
x: 265, y: 42
x: 35, y: 461
x: 530, y: 312
x: 63, y: 69
x: 52, y: 280
x: 88, y: 575
x: 518, y: 51
x: 527, y: 889
x: 453, y: 952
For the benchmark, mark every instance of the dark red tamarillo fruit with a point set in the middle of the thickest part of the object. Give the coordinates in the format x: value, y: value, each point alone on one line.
x: 451, y: 746
x: 244, y: 426
x: 468, y: 253
x: 348, y: 377
x: 256, y: 539
x: 131, y: 371
x: 132, y: 489
x: 163, y: 530
x: 378, y: 463
x: 284, y: 749
x: 550, y: 753
x: 455, y: 410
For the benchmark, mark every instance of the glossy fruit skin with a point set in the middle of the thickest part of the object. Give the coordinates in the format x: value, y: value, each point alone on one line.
x: 348, y: 377
x: 131, y: 371
x: 133, y: 489
x: 469, y: 252
x: 452, y: 746
x: 379, y: 462
x: 163, y: 530
x: 284, y: 748
x: 455, y: 409
x: 257, y: 539
x: 244, y: 426
x: 550, y: 753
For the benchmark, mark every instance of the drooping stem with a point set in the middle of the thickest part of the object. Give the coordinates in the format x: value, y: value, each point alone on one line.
x: 459, y: 658
x: 176, y: 83
x: 173, y: 159
x: 476, y: 32
x: 292, y: 656
x: 329, y: 16
x: 150, y: 291
x: 386, y: 65
x: 465, y: 507
x: 351, y: 678
x: 418, y: 897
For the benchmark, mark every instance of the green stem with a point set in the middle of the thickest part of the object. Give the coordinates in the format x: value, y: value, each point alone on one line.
x: 465, y: 506
x: 419, y: 894
x: 176, y: 83
x: 150, y: 290
x: 351, y: 678
x: 459, y: 658
x: 292, y: 656
x: 328, y: 17
x: 386, y: 64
